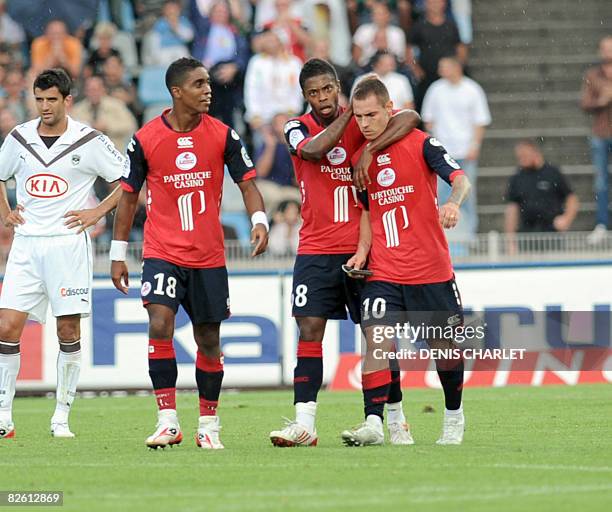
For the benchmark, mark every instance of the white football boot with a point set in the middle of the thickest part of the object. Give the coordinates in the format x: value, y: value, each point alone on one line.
x: 168, y: 431
x: 399, y: 434
x: 293, y: 434
x: 207, y: 436
x: 61, y: 429
x: 7, y: 430
x: 369, y: 433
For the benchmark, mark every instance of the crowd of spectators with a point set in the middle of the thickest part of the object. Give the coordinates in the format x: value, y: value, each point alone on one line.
x: 254, y: 50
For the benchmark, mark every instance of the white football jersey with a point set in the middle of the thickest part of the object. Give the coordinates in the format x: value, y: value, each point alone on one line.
x: 52, y: 181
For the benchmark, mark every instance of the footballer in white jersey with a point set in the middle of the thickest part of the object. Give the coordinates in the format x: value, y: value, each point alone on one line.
x: 55, y: 162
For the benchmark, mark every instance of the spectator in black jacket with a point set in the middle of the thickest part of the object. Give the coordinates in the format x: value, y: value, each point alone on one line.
x: 539, y: 197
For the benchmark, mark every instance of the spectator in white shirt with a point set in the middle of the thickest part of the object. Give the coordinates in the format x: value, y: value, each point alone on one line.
x: 271, y: 83
x: 455, y: 111
x: 364, y: 46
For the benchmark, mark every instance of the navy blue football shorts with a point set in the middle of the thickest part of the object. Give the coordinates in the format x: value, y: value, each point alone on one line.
x: 203, y: 292
x: 437, y: 304
x: 322, y: 289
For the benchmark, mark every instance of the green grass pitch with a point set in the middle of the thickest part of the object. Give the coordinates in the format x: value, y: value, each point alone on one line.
x: 525, y: 449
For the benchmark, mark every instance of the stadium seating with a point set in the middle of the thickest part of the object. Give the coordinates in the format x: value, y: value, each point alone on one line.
x: 240, y: 222
x: 152, y: 91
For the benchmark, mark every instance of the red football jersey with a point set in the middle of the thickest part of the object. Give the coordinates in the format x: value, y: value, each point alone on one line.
x: 408, y: 242
x: 184, y: 176
x: 330, y: 206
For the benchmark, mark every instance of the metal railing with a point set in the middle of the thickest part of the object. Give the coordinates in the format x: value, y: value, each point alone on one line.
x: 486, y: 248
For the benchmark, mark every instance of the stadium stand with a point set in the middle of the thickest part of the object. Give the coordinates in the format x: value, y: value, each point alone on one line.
x: 529, y: 57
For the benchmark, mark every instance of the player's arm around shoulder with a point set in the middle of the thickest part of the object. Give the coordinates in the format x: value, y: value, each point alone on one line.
x: 400, y: 125
x: 318, y: 146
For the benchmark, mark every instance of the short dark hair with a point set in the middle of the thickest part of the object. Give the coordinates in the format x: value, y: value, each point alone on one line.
x: 371, y: 85
x: 178, y: 70
x: 316, y: 67
x: 532, y: 143
x: 56, y: 77
x: 379, y: 55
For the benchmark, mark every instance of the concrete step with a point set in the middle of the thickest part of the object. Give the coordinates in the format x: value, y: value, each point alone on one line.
x: 492, y: 189
x: 510, y: 98
x: 508, y: 28
x: 535, y: 116
x: 520, y: 85
x: 514, y: 69
x: 536, y: 120
x: 507, y: 10
x: 494, y: 220
x: 505, y: 15
x: 526, y: 110
x: 532, y: 60
x: 490, y: 51
x: 508, y: 170
x: 569, y: 149
x: 512, y: 105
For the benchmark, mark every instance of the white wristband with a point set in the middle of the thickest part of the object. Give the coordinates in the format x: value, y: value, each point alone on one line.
x: 260, y: 218
x: 118, y: 250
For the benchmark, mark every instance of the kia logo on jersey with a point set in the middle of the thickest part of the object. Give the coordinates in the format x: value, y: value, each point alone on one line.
x: 336, y: 156
x: 184, y: 142
x: 186, y: 161
x: 46, y: 186
x: 386, y: 177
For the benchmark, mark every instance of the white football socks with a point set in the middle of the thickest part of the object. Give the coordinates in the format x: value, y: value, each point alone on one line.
x: 68, y: 370
x: 395, y: 413
x: 453, y: 414
x: 305, y: 413
x: 9, y: 368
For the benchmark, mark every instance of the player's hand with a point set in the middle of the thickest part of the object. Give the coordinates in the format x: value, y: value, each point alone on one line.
x: 82, y: 219
x: 449, y: 215
x: 120, y: 276
x: 357, y: 262
x: 259, y: 238
x: 561, y: 223
x: 361, y: 178
x: 14, y: 218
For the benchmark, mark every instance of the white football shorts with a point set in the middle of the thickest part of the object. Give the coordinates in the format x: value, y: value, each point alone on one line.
x: 43, y: 270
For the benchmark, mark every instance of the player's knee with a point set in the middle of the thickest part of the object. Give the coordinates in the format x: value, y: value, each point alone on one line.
x: 211, y: 351
x: 68, y: 332
x: 208, y: 343
x: 10, y: 330
x: 311, y: 330
x: 160, y: 328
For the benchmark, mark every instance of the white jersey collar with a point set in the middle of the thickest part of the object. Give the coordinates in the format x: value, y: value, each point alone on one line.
x: 73, y: 133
